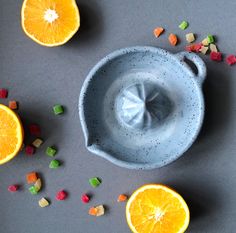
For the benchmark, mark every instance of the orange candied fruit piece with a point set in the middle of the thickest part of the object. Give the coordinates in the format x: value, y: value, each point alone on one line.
x: 158, y: 31
x: 93, y: 211
x: 173, y: 39
x: 13, y: 105
x: 31, y: 177
x: 122, y: 198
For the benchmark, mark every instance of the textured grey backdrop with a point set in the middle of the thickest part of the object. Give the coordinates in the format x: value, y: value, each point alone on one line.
x: 39, y: 77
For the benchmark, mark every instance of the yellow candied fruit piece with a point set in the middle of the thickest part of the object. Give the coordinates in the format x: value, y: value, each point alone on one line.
x: 100, y: 210
x: 43, y: 202
x: 37, y: 142
x: 213, y: 48
x: 38, y: 184
x: 190, y: 37
x: 204, y: 49
x: 205, y: 42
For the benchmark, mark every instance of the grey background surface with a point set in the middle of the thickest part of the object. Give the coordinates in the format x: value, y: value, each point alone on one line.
x: 39, y: 77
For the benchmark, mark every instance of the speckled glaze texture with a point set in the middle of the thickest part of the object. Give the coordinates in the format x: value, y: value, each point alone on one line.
x: 142, y: 107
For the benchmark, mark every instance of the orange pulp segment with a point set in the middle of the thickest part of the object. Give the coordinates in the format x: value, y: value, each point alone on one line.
x: 156, y: 208
x: 50, y: 22
x: 11, y: 134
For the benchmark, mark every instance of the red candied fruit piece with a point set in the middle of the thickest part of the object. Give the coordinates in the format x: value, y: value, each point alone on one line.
x: 197, y: 47
x: 29, y: 150
x: 216, y: 56
x: 13, y: 188
x: 35, y: 130
x: 3, y: 93
x: 231, y: 60
x: 61, y: 195
x: 85, y: 198
x: 190, y: 48
x: 194, y: 47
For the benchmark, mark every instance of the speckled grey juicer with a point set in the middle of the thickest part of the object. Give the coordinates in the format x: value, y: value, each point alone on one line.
x: 142, y: 107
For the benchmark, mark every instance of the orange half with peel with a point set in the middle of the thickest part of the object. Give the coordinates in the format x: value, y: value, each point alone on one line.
x: 11, y: 134
x: 155, y: 208
x: 50, y: 22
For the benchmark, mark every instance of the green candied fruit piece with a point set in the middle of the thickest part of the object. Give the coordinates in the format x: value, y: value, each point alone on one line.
x: 210, y: 39
x: 54, y: 164
x: 94, y: 182
x: 33, y: 190
x: 58, y: 109
x: 51, y: 151
x: 183, y: 25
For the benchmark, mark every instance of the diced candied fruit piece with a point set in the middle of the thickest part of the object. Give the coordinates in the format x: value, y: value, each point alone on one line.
x: 94, y: 182
x: 61, y: 195
x: 216, y: 56
x: 173, y: 39
x: 190, y: 37
x: 158, y: 31
x: 43, y: 202
x: 183, y: 25
x: 31, y: 177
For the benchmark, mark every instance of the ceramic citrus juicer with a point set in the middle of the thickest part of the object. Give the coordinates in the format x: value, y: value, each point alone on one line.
x: 142, y: 107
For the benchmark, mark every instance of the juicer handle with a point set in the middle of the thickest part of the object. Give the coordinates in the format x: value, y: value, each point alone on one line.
x: 197, y: 61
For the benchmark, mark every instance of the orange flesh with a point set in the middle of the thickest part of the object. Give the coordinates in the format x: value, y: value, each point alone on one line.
x: 62, y: 27
x: 156, y: 210
x: 10, y: 134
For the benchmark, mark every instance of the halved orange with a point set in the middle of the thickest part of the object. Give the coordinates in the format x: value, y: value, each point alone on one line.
x: 50, y: 22
x: 155, y: 208
x: 11, y: 134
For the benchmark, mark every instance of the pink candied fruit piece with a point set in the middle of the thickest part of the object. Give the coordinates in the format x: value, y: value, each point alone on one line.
x: 85, y: 198
x: 61, y: 195
x: 35, y: 130
x: 231, y: 60
x: 13, y: 188
x: 29, y: 150
x: 216, y: 56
